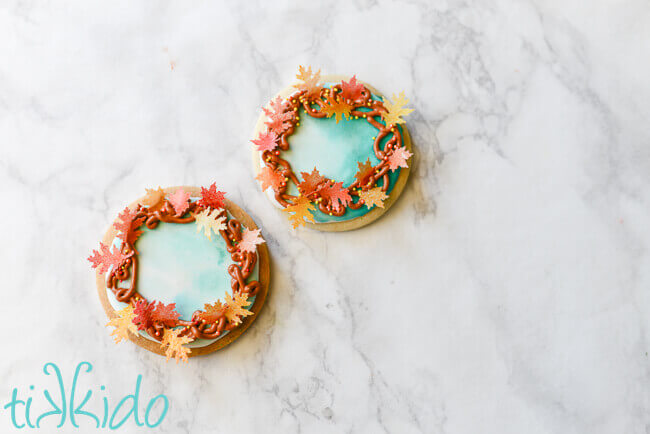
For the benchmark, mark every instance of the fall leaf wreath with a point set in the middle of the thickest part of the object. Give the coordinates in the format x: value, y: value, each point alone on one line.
x: 351, y: 100
x: 161, y: 321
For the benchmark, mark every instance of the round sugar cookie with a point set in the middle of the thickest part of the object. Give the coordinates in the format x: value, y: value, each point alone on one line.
x: 182, y: 272
x: 323, y: 153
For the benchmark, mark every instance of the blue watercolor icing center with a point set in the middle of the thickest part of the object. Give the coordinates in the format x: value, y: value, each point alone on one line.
x: 335, y: 150
x: 177, y: 264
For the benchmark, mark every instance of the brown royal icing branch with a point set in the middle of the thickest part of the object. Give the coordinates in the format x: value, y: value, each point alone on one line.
x: 313, y: 105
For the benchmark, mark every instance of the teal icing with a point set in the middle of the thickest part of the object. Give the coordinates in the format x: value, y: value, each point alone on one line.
x: 177, y: 264
x: 334, y: 149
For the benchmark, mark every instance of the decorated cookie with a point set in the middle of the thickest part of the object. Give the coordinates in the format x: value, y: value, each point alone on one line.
x: 332, y: 152
x: 181, y: 272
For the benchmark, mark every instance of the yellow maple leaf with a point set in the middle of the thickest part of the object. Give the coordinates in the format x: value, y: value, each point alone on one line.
x: 123, y: 324
x: 209, y: 221
x: 374, y: 196
x: 338, y: 108
x: 301, y: 209
x: 308, y: 81
x: 235, y: 308
x: 174, y: 344
x: 153, y: 197
x: 396, y: 111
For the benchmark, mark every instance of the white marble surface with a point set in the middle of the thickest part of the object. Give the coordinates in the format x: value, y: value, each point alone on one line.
x: 506, y: 291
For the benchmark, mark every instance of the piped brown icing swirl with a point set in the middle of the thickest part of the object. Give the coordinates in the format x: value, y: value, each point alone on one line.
x: 241, y: 269
x: 313, y: 106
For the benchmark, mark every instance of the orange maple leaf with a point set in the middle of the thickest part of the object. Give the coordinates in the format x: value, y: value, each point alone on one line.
x: 128, y: 226
x: 235, y: 308
x: 335, y: 193
x: 270, y: 178
x: 309, y: 81
x: 351, y: 90
x: 174, y: 344
x: 365, y: 171
x: 104, y: 258
x: 212, y: 198
x: 338, y: 108
x: 153, y: 197
x: 212, y: 312
x: 180, y: 201
x: 266, y: 141
x: 398, y: 158
x: 310, y: 182
x: 299, y: 211
x: 374, y: 196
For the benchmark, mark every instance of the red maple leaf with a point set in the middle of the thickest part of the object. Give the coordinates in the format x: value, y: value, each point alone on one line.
x: 335, y: 193
x: 398, y: 158
x: 180, y: 201
x: 128, y: 226
x: 212, y: 198
x: 310, y: 182
x: 166, y: 314
x: 143, y: 314
x: 266, y: 141
x: 351, y: 90
x: 270, y: 178
x: 103, y: 258
x: 278, y: 119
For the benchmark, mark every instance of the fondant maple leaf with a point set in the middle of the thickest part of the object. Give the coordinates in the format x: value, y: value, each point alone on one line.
x: 310, y: 182
x: 174, y: 344
x: 397, y: 110
x: 149, y: 312
x: 165, y: 314
x: 143, y: 314
x: 235, y: 308
x: 270, y: 178
x: 351, y: 90
x: 104, y: 258
x: 212, y: 312
x: 374, y: 196
x: 249, y: 240
x: 338, y: 108
x: 209, y: 221
x: 299, y: 211
x: 180, y: 201
x: 212, y: 198
x: 153, y: 197
x: 278, y: 119
x: 365, y: 171
x: 128, y: 226
x: 398, y: 158
x: 308, y: 81
x: 123, y: 324
x: 336, y: 194
x: 266, y: 141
